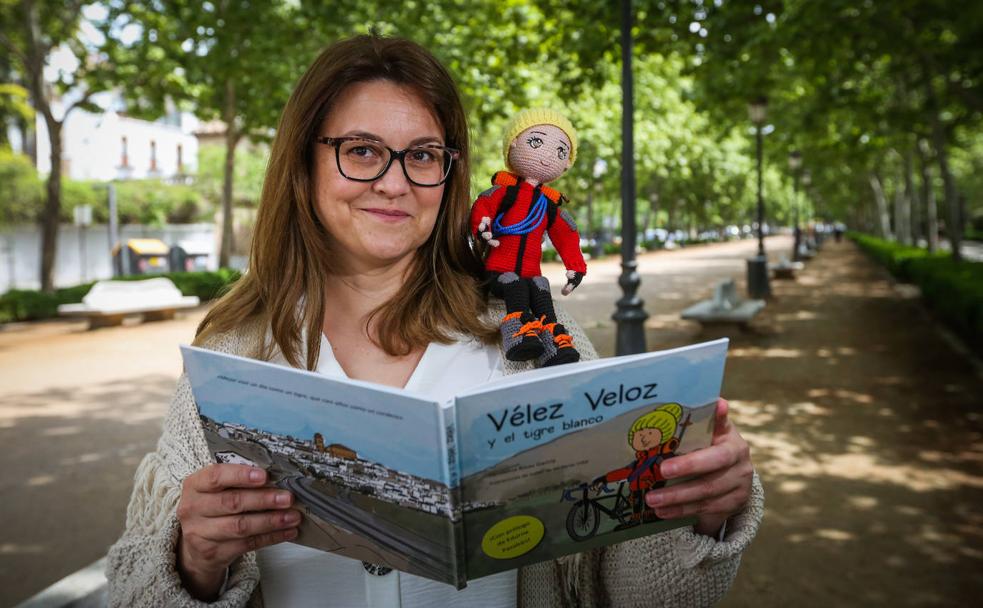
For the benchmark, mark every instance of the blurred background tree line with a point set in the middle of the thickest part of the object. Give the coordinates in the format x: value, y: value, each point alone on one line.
x: 883, y: 99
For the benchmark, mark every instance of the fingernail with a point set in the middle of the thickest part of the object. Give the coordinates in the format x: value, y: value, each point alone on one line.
x: 668, y: 470
x: 291, y: 533
x: 654, y: 498
x: 282, y: 498
x: 256, y: 475
x: 292, y: 517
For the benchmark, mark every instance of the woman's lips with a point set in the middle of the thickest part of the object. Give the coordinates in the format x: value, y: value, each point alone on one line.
x: 389, y: 215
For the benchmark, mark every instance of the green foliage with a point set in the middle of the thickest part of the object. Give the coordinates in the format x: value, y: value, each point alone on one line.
x: 29, y: 305
x: 250, y: 170
x: 154, y: 203
x: 149, y: 202
x: 21, y: 191
x: 894, y: 256
x: 954, y: 290
x: 76, y: 193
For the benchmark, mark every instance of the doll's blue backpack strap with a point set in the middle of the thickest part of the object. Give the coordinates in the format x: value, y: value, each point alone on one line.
x: 527, y: 224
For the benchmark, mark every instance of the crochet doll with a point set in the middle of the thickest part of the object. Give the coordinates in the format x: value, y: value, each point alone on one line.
x: 512, y: 216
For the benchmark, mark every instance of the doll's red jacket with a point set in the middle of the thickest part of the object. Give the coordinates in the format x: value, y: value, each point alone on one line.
x: 521, y: 253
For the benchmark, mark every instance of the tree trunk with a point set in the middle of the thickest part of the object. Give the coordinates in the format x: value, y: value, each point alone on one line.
x: 231, y: 141
x: 590, y: 214
x: 51, y: 212
x: 909, y: 230
x: 883, y: 216
x: 953, y: 229
x: 928, y: 198
x: 650, y: 212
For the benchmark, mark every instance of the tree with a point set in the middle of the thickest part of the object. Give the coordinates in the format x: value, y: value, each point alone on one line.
x: 234, y: 61
x: 30, y: 30
x: 864, y: 85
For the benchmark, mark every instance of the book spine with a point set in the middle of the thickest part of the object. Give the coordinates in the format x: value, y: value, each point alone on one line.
x: 452, y: 473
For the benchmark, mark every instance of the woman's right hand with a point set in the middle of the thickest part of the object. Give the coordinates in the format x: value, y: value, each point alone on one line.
x: 225, y: 510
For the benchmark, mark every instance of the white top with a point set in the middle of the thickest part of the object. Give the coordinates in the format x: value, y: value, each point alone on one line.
x: 294, y: 575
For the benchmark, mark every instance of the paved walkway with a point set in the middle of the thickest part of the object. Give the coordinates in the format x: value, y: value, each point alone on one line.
x: 864, y: 424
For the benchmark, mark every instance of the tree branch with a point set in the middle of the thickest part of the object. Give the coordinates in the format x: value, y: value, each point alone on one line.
x: 81, y: 101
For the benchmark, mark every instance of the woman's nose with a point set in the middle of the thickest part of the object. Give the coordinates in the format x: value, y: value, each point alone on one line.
x: 393, y: 182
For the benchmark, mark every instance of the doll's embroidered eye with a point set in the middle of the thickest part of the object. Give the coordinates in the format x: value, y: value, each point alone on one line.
x: 534, y: 142
x: 561, y: 153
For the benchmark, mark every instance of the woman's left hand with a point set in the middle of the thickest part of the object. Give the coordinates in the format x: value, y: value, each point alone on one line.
x: 722, y: 482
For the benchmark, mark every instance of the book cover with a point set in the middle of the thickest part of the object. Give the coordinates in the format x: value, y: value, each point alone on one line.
x: 523, y: 469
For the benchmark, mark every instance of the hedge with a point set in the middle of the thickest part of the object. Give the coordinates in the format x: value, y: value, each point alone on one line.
x: 954, y: 290
x: 29, y: 305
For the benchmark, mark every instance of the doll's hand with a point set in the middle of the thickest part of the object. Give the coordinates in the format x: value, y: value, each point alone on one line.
x: 573, y: 280
x: 486, y: 234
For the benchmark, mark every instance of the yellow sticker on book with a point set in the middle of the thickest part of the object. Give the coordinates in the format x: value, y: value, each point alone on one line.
x: 512, y: 537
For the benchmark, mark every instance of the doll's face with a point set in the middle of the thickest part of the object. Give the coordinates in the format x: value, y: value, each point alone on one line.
x: 540, y: 153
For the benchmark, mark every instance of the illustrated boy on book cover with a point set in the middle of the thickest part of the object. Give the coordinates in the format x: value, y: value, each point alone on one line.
x: 653, y: 437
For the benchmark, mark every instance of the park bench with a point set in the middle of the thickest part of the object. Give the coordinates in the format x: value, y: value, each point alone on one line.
x: 109, y: 302
x: 785, y: 269
x: 86, y: 588
x: 805, y: 251
x: 724, y: 307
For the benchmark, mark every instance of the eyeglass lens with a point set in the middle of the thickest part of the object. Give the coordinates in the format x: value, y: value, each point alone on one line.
x: 367, y: 160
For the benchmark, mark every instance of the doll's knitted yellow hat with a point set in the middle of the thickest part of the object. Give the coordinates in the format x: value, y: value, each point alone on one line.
x: 538, y: 116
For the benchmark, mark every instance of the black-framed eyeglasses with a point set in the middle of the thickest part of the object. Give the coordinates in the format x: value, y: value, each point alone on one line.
x: 366, y: 160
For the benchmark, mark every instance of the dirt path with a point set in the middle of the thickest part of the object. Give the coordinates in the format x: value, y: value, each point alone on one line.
x: 865, y: 426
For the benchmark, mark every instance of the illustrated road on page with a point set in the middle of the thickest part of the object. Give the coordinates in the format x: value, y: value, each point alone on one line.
x: 426, y: 554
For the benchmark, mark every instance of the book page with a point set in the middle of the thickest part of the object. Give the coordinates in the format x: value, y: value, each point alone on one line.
x: 365, y: 462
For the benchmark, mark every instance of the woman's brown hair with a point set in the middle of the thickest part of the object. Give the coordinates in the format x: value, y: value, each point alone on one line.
x: 291, y: 250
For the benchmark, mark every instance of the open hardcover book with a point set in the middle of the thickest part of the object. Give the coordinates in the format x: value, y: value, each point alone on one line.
x: 525, y: 468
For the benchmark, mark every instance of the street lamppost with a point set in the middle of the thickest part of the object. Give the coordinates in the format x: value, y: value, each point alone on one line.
x: 757, y: 266
x: 630, y: 314
x: 795, y: 163
x: 593, y: 233
x: 806, y: 182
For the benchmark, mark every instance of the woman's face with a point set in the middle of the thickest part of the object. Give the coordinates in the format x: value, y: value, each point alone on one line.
x: 383, y: 222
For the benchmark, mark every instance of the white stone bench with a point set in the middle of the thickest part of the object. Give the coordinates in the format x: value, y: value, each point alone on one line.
x: 806, y: 252
x: 108, y: 302
x: 724, y: 307
x: 785, y: 269
x: 86, y: 588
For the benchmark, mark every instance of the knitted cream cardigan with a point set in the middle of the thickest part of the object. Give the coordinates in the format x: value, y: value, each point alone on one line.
x: 675, y: 568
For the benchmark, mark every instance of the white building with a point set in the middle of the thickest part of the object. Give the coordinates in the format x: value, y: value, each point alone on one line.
x: 112, y: 145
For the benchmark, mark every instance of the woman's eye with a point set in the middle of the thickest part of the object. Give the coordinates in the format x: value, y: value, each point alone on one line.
x: 534, y: 142
x: 561, y: 153
x: 362, y: 151
x: 422, y: 156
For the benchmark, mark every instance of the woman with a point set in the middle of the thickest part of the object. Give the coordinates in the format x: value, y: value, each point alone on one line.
x: 359, y: 267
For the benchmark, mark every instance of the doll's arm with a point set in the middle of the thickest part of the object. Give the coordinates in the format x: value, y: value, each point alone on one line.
x: 563, y: 233
x: 484, y: 210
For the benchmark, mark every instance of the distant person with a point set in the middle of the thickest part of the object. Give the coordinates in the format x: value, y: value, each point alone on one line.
x: 360, y: 267
x: 838, y: 229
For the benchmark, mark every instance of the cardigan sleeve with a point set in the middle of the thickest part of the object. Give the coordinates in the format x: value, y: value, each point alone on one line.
x: 141, y: 566
x: 679, y: 567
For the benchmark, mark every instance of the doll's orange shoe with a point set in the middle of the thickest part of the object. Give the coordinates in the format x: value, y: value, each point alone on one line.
x: 558, y: 346
x: 520, y: 336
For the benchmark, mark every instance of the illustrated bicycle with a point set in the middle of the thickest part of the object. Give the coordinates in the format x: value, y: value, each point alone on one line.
x: 585, y: 515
